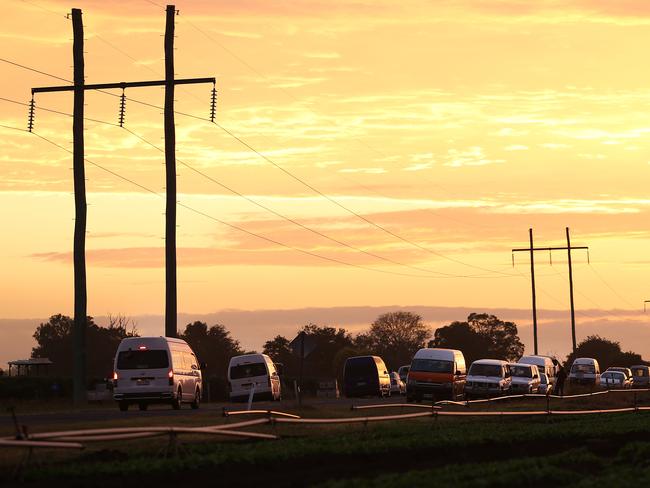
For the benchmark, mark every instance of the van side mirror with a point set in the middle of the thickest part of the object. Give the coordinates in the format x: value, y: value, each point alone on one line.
x: 458, y: 373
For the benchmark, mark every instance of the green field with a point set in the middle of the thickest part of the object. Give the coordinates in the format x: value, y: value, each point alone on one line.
x: 594, y: 450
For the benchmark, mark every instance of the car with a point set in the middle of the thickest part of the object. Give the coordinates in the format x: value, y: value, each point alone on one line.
x: 610, y: 380
x: 403, y: 372
x: 256, y: 374
x: 545, y: 387
x: 397, y: 386
x: 488, y: 377
x: 365, y: 376
x: 640, y: 376
x: 626, y: 371
x: 156, y: 370
x: 437, y: 373
x: 585, y: 371
x: 525, y: 378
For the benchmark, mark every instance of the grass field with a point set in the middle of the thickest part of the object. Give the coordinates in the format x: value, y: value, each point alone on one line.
x: 596, y: 450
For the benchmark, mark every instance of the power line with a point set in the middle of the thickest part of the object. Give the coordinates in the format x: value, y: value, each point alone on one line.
x: 204, y: 214
x: 307, y: 185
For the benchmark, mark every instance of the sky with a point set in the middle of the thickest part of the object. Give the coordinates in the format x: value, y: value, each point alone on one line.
x: 366, y: 154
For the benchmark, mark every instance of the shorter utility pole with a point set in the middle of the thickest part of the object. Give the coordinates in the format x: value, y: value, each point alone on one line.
x: 644, y: 305
x: 567, y: 248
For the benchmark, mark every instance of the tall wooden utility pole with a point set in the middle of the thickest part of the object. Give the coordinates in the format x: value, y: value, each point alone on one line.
x: 79, y: 246
x: 170, y: 165
x: 79, y: 87
x: 568, y: 248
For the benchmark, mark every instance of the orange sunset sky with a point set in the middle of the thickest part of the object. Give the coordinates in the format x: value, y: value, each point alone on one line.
x: 453, y: 126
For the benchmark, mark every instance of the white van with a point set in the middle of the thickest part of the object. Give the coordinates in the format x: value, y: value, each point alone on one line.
x: 488, y: 377
x: 253, y: 370
x: 156, y: 370
x: 585, y: 371
x: 544, y: 364
x: 525, y: 378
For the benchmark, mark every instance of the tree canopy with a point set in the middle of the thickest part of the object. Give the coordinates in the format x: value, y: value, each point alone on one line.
x: 395, y: 336
x: 213, y: 346
x: 481, y: 336
x: 54, y: 340
x: 607, y: 353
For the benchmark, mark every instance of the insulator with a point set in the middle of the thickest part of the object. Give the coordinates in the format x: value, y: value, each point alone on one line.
x: 213, y: 103
x: 30, y: 122
x: 122, y: 108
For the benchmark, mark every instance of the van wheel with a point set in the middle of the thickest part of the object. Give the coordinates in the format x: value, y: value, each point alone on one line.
x: 197, y: 400
x: 176, y: 402
x: 123, y: 406
x: 142, y: 406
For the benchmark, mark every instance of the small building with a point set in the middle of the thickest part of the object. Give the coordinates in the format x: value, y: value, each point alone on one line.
x: 35, y: 367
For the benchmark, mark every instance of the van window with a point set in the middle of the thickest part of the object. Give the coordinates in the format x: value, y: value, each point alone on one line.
x: 486, y: 370
x: 520, y: 371
x: 640, y: 372
x: 583, y: 368
x: 247, y: 370
x: 361, y: 367
x: 149, y: 359
x: 432, y: 366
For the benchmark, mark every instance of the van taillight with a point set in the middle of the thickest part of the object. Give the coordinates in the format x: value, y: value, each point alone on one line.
x: 170, y: 375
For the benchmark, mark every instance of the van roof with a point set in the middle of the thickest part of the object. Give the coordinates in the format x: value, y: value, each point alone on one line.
x: 150, y: 341
x: 584, y: 361
x: 437, y: 353
x: 490, y: 361
x: 250, y: 358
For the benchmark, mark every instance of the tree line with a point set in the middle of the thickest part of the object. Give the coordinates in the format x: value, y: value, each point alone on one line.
x: 395, y: 336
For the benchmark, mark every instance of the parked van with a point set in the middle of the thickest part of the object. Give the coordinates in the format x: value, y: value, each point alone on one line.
x: 525, y: 378
x: 156, y: 370
x: 640, y: 376
x: 585, y: 371
x: 364, y: 376
x: 544, y: 364
x: 253, y: 371
x: 488, y: 377
x: 436, y: 373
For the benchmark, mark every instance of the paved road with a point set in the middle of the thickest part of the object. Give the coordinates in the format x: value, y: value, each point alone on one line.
x: 208, y: 412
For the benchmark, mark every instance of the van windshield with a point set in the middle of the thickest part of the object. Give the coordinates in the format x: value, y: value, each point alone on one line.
x: 247, y: 371
x: 521, y: 371
x: 147, y: 359
x: 583, y: 368
x: 432, y: 366
x: 485, y: 370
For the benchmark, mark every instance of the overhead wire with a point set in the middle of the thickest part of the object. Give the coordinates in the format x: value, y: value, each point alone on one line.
x: 211, y: 217
x: 300, y: 180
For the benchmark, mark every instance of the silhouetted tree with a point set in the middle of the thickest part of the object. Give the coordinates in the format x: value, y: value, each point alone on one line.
x: 460, y: 335
x: 327, y: 342
x: 482, y: 336
x: 607, y: 353
x: 395, y: 336
x: 213, y: 346
x: 54, y: 340
x: 279, y: 351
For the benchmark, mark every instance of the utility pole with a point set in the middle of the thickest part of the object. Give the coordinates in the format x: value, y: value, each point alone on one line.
x: 568, y: 248
x: 644, y: 305
x: 79, y: 246
x: 170, y: 168
x: 79, y: 87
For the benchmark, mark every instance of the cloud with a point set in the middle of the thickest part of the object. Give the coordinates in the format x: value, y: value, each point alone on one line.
x: 472, y: 156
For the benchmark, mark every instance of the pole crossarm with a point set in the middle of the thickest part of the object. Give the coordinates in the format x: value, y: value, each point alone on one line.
x: 123, y: 85
x: 565, y: 248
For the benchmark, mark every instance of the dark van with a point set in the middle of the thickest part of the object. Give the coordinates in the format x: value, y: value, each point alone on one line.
x: 365, y: 376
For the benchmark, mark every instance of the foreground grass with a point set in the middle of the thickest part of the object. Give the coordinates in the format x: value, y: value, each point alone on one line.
x: 477, y: 452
